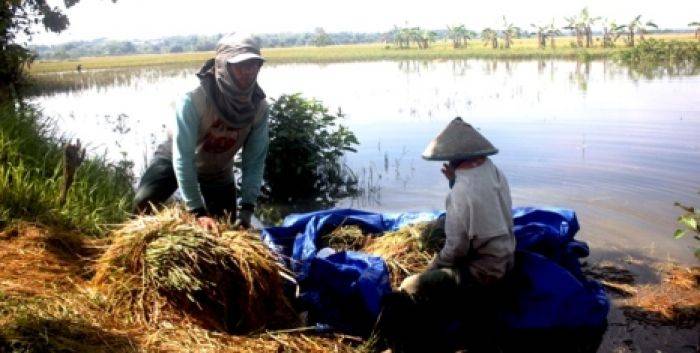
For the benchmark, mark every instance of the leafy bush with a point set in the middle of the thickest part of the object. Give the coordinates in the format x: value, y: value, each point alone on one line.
x: 690, y: 220
x: 304, y: 162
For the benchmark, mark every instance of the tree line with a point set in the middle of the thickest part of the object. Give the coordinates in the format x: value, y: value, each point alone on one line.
x: 177, y: 44
x: 580, y: 25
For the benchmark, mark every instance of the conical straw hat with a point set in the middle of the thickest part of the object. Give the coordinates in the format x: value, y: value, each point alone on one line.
x: 459, y: 140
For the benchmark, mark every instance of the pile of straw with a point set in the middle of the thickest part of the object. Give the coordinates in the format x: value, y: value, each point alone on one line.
x: 676, y: 301
x: 402, y: 252
x: 407, y: 251
x: 346, y: 238
x: 165, y: 264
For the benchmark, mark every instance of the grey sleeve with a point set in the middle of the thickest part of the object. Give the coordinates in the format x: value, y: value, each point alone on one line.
x: 457, y: 242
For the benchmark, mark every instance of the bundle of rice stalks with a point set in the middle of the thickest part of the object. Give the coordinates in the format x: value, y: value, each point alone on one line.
x: 346, y: 238
x: 407, y: 251
x: 166, y: 264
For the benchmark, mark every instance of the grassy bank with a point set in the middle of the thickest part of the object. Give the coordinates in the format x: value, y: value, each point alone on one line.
x: 521, y: 49
x: 31, y: 177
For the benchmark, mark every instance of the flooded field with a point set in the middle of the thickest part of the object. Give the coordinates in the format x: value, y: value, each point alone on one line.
x: 617, y: 146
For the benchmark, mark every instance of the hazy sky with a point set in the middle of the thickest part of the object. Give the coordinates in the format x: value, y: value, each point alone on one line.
x: 145, y: 19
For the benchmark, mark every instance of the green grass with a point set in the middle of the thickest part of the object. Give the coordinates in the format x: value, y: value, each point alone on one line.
x: 521, y: 49
x: 31, y: 178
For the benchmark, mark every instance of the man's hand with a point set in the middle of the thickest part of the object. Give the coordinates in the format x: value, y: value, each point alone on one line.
x: 209, y: 224
x: 448, y: 172
x: 243, y: 220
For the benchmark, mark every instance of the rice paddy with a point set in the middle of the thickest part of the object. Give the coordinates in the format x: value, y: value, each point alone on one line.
x: 524, y: 48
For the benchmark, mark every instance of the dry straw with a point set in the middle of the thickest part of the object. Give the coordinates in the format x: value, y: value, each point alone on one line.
x: 164, y: 265
x: 406, y: 251
x: 674, y: 302
x: 346, y: 238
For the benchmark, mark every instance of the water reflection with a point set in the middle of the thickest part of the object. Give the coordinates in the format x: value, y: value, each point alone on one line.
x: 616, y: 145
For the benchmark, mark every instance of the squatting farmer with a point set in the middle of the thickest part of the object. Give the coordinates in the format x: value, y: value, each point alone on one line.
x: 463, y: 280
x: 227, y: 112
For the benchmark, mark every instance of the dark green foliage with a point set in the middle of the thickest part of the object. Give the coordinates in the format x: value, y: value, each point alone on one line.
x: 307, y: 144
x: 18, y: 17
x: 690, y: 223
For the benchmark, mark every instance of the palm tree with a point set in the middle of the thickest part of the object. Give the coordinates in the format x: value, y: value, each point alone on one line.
x: 510, y: 31
x: 488, y: 35
x: 695, y: 24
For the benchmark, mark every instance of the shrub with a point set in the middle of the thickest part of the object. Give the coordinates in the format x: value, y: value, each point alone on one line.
x: 304, y: 162
x: 690, y: 220
x: 652, y: 58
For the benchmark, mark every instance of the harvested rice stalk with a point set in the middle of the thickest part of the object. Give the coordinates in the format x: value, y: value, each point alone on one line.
x: 35, y: 334
x: 675, y: 302
x: 166, y: 264
x: 193, y: 339
x: 346, y: 238
x: 407, y: 251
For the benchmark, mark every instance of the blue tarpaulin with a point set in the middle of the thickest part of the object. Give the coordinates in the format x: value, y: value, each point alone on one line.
x: 344, y: 289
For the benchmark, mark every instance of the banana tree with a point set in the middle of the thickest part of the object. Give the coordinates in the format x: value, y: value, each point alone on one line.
x: 574, y: 25
x: 586, y: 22
x: 541, y: 32
x: 488, y: 35
x: 695, y: 24
x: 611, y: 32
x: 456, y: 34
x: 510, y: 31
x: 423, y: 38
x: 427, y: 37
x: 636, y: 26
x: 552, y: 33
x: 469, y: 34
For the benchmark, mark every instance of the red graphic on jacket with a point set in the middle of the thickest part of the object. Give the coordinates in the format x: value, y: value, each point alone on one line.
x: 220, y: 138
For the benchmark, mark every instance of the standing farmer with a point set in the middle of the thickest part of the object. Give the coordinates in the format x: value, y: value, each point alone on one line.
x: 227, y: 112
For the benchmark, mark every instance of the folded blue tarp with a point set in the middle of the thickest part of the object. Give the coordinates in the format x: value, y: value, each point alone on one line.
x: 344, y: 289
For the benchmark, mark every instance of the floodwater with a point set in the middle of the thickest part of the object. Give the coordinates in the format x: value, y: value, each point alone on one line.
x: 618, y: 147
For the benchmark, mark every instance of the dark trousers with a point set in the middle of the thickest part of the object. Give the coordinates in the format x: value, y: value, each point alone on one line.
x: 158, y: 183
